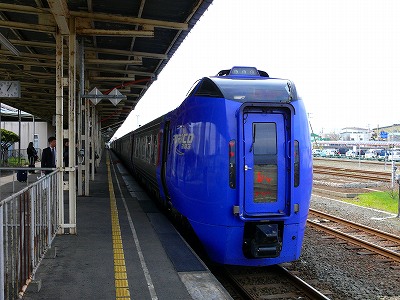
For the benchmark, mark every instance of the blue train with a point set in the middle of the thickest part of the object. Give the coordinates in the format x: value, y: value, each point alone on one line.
x: 234, y: 160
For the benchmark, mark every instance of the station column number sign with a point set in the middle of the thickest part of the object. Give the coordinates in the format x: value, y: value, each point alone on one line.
x: 10, y: 89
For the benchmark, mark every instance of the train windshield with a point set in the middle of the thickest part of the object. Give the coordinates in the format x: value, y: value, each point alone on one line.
x: 244, y: 90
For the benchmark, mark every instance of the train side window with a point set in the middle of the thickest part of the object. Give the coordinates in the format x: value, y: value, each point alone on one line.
x: 193, y: 88
x: 208, y: 89
x: 138, y: 147
x: 143, y: 148
x: 154, y: 150
x: 296, y: 164
x: 149, y: 148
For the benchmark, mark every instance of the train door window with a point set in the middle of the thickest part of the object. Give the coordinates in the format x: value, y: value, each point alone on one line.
x: 265, y: 162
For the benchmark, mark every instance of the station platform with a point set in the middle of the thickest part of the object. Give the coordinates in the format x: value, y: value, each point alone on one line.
x: 125, y: 248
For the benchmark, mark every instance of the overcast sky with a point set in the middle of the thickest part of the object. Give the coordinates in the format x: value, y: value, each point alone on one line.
x: 343, y: 56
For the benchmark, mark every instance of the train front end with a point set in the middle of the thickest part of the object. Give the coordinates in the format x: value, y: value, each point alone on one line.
x: 257, y: 205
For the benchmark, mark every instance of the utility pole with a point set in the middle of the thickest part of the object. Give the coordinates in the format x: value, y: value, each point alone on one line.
x: 309, y: 122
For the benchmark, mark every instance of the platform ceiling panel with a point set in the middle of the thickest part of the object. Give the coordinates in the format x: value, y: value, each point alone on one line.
x: 126, y: 45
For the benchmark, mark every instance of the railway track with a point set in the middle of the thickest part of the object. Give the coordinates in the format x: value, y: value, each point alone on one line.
x: 354, y: 173
x: 365, y: 237
x: 274, y: 282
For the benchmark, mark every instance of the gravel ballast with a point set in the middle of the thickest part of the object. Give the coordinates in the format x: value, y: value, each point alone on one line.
x: 339, y: 267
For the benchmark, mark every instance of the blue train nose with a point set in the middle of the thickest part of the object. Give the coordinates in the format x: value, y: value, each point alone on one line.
x: 266, y: 241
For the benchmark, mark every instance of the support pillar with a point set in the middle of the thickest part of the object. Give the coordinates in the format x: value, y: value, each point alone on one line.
x: 87, y: 146
x: 91, y: 139
x: 59, y: 126
x: 81, y: 159
x: 72, y: 124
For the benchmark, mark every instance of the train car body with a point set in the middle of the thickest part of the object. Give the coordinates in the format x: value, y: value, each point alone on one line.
x: 235, y: 160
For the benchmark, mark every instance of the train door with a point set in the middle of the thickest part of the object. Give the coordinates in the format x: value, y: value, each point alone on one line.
x: 265, y: 164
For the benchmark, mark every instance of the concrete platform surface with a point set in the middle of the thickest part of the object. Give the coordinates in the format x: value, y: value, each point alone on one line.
x: 125, y: 248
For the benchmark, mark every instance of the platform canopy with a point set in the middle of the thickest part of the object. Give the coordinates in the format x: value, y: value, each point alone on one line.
x: 126, y: 44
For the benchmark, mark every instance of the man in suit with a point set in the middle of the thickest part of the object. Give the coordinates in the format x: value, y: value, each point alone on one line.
x: 49, y: 156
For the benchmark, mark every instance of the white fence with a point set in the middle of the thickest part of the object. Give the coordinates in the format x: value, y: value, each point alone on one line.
x: 30, y: 222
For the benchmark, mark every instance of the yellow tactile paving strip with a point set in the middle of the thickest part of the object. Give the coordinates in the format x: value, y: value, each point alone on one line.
x: 121, y: 278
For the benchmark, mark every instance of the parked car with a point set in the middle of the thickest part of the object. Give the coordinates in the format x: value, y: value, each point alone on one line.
x: 342, y: 151
x: 372, y: 153
x: 356, y: 153
x: 316, y: 152
x: 329, y: 152
x: 394, y: 155
x: 383, y: 155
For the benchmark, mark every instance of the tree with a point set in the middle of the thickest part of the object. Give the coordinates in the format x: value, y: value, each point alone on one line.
x: 7, y: 139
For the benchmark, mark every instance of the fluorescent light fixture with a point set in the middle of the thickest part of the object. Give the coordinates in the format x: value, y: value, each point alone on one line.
x: 6, y: 43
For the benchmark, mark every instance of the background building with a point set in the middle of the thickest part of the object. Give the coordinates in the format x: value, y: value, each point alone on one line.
x: 355, y: 134
x: 27, y: 127
x: 388, y: 133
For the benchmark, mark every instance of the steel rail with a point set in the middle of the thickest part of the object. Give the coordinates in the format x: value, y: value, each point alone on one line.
x: 303, y: 287
x: 357, y: 241
x: 239, y: 288
x: 310, y: 291
x: 361, y: 174
x: 382, y: 234
x: 353, y: 170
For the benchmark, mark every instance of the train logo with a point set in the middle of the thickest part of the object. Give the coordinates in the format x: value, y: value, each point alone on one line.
x: 183, y: 141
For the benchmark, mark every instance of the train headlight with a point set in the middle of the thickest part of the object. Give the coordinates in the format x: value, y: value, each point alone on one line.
x: 244, y: 71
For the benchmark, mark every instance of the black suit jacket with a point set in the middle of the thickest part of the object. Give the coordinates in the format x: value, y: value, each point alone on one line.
x: 47, y: 159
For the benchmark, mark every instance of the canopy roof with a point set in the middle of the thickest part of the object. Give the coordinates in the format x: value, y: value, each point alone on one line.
x: 125, y: 44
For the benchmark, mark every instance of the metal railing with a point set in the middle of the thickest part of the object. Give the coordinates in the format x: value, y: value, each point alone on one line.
x: 15, y: 157
x: 30, y: 222
x: 9, y: 182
